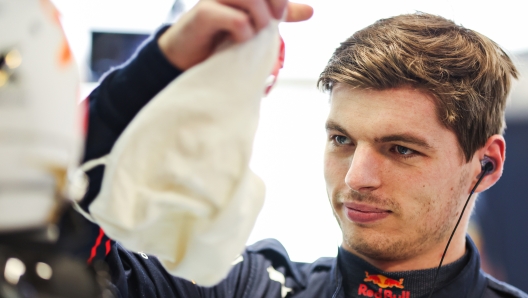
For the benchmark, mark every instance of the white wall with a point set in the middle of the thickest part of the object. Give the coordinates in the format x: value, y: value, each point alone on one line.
x: 288, y: 156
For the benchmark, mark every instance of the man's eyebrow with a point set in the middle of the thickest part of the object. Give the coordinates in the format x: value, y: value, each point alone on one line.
x: 330, y: 125
x: 405, y: 138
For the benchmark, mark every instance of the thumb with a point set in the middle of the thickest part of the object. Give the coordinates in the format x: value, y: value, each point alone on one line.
x: 297, y: 12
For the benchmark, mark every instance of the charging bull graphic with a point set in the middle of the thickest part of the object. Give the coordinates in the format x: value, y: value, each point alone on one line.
x: 383, y: 281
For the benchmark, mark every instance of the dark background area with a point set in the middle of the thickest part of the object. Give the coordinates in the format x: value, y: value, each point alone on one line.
x: 110, y: 49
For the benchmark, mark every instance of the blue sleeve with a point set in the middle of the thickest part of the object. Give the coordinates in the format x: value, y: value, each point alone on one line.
x: 139, y: 275
x: 119, y: 97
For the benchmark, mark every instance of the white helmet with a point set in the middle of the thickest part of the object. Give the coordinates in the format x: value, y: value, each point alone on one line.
x: 40, y: 119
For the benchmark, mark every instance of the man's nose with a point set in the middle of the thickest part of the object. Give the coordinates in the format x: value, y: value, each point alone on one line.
x: 364, y: 172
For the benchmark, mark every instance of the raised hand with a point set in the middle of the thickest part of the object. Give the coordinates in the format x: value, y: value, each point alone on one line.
x: 193, y: 38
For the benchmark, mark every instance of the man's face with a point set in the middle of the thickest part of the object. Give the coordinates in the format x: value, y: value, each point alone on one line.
x: 396, y: 176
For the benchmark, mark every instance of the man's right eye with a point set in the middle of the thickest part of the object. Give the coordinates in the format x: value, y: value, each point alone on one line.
x: 341, y: 140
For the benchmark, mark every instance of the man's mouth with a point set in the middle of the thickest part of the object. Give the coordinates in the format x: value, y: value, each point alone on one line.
x: 362, y: 213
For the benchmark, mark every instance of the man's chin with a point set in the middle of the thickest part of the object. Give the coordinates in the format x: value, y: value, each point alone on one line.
x: 381, y: 247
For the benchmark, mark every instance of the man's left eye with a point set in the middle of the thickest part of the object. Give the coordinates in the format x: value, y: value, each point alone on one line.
x: 403, y: 150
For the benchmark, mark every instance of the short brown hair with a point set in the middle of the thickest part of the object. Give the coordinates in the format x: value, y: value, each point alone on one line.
x: 468, y: 74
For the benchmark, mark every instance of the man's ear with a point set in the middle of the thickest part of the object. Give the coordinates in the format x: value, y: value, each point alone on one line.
x: 495, y: 151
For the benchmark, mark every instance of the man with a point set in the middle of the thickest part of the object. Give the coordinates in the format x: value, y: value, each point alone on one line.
x: 416, y: 104
x: 417, y: 107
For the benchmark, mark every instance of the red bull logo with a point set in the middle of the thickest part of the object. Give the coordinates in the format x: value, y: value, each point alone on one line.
x: 383, y: 283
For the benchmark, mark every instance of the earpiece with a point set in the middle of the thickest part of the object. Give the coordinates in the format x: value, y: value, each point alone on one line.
x: 488, y: 166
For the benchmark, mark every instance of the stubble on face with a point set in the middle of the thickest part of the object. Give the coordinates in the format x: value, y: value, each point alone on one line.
x: 428, y: 222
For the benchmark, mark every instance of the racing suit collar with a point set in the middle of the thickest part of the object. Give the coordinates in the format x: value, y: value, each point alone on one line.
x: 461, y: 278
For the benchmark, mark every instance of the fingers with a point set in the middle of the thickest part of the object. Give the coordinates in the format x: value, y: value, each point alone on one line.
x: 193, y: 38
x: 261, y: 11
x: 277, y: 8
x: 234, y: 22
x: 258, y: 10
x: 298, y: 12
